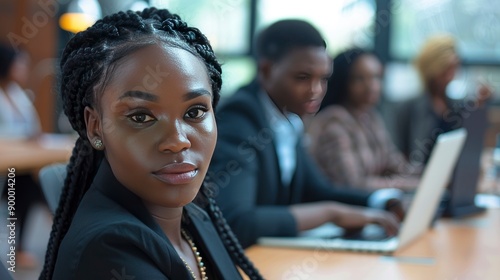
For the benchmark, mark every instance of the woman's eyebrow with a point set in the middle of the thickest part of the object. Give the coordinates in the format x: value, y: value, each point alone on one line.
x: 139, y: 94
x: 196, y: 93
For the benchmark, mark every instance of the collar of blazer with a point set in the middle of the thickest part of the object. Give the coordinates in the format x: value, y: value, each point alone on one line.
x: 246, y: 102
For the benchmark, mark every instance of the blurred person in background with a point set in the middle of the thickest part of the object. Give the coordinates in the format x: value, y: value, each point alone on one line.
x: 18, y: 117
x: 19, y: 120
x: 267, y: 183
x: 420, y: 120
x: 348, y: 138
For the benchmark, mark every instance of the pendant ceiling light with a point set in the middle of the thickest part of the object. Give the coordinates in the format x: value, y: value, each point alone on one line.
x: 80, y: 15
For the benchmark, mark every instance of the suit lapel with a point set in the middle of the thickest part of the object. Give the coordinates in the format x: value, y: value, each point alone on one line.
x: 272, y: 169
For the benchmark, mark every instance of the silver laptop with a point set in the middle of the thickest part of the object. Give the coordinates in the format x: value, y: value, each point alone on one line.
x: 418, y: 218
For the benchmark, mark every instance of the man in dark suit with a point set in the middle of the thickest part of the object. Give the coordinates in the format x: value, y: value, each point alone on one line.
x: 267, y: 184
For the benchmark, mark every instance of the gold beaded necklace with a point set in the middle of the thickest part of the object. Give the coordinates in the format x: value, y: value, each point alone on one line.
x: 201, y: 265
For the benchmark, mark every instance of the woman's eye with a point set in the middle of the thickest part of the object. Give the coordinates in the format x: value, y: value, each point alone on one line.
x: 196, y: 113
x: 141, y: 118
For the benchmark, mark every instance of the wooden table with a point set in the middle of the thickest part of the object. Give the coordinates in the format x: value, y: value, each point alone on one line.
x: 454, y: 250
x: 29, y: 156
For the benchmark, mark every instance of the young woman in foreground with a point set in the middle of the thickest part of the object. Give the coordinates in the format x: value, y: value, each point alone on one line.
x: 140, y: 90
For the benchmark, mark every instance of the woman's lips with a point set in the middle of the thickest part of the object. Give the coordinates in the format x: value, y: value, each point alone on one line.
x: 176, y: 173
x: 312, y: 106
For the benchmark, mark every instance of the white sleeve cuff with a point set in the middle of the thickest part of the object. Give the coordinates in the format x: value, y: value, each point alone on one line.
x: 379, y: 198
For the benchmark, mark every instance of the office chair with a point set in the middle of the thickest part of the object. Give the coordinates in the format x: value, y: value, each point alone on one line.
x: 52, y: 182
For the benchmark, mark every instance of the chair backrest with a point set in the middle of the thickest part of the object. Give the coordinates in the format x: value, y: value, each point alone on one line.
x: 52, y: 182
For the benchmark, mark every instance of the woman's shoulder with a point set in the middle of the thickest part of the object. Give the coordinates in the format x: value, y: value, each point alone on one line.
x: 332, y: 119
x: 103, y: 235
x: 99, y: 219
x: 108, y: 250
x: 333, y: 113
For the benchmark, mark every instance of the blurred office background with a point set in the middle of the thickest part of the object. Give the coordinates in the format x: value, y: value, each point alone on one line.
x: 394, y: 29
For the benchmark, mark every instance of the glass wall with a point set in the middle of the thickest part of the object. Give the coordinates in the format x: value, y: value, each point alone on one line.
x: 226, y: 23
x: 475, y: 23
x: 344, y: 23
x: 347, y: 23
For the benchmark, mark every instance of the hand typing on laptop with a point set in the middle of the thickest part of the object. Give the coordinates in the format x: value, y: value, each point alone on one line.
x: 355, y: 218
x: 417, y: 218
x: 396, y: 207
x: 349, y: 217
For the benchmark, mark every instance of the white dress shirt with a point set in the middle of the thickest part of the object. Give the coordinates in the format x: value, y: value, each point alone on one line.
x: 18, y: 116
x: 288, y: 128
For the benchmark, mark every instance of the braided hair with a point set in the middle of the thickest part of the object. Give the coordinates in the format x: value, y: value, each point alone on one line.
x: 86, y: 64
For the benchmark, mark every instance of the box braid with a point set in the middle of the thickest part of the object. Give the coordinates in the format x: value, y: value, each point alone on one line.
x: 206, y: 200
x: 86, y: 64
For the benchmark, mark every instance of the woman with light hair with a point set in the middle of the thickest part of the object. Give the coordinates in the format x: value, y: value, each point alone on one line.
x: 421, y: 119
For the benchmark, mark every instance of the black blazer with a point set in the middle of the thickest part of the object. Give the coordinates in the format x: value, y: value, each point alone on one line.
x: 246, y: 174
x: 113, y: 236
x: 418, y: 126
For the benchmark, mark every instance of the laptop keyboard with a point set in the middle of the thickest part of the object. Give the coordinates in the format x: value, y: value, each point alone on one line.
x: 368, y: 233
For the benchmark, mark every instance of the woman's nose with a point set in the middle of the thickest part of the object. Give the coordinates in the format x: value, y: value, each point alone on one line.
x: 175, y: 138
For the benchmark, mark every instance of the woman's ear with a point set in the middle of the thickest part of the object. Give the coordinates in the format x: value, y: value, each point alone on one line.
x: 94, y: 128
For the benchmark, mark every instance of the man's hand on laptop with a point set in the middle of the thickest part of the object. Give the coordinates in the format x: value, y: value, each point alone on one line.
x: 396, y: 207
x: 349, y: 217
x: 353, y: 218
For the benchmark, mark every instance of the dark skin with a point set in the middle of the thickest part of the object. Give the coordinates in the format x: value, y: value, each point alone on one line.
x: 18, y: 72
x: 297, y: 83
x: 437, y: 85
x: 159, y: 133
x: 364, y: 83
x: 364, y: 87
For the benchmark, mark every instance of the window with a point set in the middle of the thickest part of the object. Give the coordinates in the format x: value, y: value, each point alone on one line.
x: 475, y: 24
x: 343, y: 24
x: 224, y: 22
